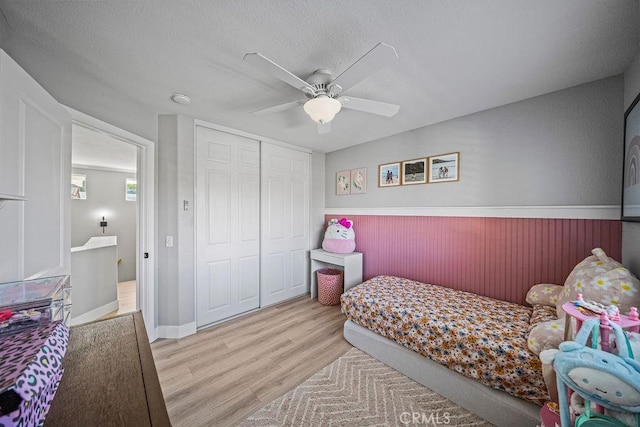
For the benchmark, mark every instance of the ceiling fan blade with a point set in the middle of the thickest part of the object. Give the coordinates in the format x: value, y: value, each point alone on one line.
x: 278, y: 108
x: 324, y: 128
x: 377, y: 58
x: 267, y: 65
x: 369, y: 106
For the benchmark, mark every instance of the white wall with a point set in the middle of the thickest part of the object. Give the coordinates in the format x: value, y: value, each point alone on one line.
x: 106, y: 194
x: 176, y: 292
x: 562, y: 148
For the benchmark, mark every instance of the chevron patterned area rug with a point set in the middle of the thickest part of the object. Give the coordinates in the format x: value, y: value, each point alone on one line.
x: 358, y: 390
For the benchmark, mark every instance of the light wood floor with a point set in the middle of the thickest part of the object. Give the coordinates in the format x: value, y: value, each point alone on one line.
x: 222, y: 374
x: 126, y: 299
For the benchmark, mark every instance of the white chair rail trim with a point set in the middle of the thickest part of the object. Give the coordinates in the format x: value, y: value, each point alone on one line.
x: 606, y: 212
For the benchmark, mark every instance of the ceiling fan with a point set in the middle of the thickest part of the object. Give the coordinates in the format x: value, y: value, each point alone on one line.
x: 324, y: 92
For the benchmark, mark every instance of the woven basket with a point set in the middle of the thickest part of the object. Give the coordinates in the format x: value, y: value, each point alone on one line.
x: 329, y: 286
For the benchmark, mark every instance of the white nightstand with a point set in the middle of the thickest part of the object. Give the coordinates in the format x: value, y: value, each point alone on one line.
x: 351, y: 264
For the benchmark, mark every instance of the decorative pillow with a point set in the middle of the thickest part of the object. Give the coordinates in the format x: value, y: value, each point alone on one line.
x: 601, y: 279
x: 541, y: 313
x: 544, y: 293
x: 339, y: 237
x: 546, y: 335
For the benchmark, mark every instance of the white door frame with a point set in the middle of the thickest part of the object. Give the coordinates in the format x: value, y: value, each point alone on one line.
x: 146, y: 227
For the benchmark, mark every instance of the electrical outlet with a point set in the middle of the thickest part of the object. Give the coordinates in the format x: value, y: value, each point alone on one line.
x: 168, y: 241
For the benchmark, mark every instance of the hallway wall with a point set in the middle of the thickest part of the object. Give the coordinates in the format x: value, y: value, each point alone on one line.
x: 106, y: 196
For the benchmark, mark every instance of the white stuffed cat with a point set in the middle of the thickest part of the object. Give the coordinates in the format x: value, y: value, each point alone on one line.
x: 339, y: 237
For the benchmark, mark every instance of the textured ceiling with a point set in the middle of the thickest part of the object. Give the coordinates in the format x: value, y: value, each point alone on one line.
x: 91, y: 148
x: 455, y: 57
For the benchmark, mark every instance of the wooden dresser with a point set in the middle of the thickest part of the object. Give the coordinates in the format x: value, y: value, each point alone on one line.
x: 109, y: 377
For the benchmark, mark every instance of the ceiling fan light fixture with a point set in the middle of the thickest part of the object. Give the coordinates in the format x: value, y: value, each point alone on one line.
x: 322, y: 109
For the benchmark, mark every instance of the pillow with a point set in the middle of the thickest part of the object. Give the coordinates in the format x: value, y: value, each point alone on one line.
x: 546, y: 335
x: 601, y: 279
x: 541, y: 313
x: 339, y: 237
x: 544, y: 293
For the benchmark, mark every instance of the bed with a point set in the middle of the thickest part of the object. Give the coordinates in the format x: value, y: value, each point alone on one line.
x: 468, y: 348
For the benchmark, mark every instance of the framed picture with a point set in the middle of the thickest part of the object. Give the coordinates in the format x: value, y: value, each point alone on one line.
x: 444, y: 167
x: 359, y: 181
x: 131, y: 190
x: 79, y: 187
x: 631, y: 171
x: 413, y: 171
x: 389, y: 175
x: 343, y: 183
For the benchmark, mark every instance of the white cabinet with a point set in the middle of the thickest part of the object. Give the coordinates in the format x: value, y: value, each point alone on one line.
x: 351, y: 264
x: 35, y: 170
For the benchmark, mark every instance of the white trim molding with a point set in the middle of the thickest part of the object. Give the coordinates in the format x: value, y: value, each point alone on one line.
x: 176, y: 332
x: 145, y: 216
x: 606, y: 212
x: 237, y: 132
x: 96, y: 313
x: 105, y: 169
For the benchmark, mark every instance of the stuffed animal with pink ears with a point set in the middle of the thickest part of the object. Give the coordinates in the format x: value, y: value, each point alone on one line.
x: 339, y: 237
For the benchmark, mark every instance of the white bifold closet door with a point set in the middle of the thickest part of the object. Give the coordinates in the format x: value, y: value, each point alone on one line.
x: 227, y: 225
x: 285, y: 223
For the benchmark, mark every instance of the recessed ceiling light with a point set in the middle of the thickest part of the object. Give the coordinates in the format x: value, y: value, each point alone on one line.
x: 181, y: 99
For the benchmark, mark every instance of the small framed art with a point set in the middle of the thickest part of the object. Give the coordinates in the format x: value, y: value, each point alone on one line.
x: 444, y: 167
x: 358, y: 181
x: 389, y: 175
x: 343, y: 183
x: 413, y: 171
x: 79, y: 186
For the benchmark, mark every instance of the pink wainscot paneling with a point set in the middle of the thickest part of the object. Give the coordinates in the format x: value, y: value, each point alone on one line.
x: 497, y: 257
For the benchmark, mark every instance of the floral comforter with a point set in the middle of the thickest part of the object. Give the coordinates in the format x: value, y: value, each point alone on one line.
x: 479, y: 337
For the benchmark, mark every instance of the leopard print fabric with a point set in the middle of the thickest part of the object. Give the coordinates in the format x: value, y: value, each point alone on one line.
x: 31, y: 365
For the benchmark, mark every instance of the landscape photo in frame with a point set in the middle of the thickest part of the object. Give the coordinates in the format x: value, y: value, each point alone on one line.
x: 444, y: 167
x: 414, y: 171
x: 389, y: 174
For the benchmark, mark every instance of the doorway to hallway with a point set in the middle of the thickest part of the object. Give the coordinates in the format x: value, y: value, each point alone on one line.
x: 133, y: 192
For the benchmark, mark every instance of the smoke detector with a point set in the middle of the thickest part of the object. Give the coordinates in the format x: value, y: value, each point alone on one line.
x: 181, y: 99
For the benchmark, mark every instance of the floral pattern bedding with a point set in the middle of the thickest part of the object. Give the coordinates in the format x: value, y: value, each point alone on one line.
x: 479, y: 337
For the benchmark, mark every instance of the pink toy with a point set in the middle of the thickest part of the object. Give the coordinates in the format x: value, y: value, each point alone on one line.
x: 339, y: 237
x: 630, y: 322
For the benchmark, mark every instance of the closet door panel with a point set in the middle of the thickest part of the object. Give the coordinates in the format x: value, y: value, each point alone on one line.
x: 227, y: 225
x: 276, y: 212
x: 274, y: 285
x: 249, y: 205
x: 285, y: 234
x: 249, y: 275
x: 217, y: 213
x: 218, y: 285
x: 298, y: 270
